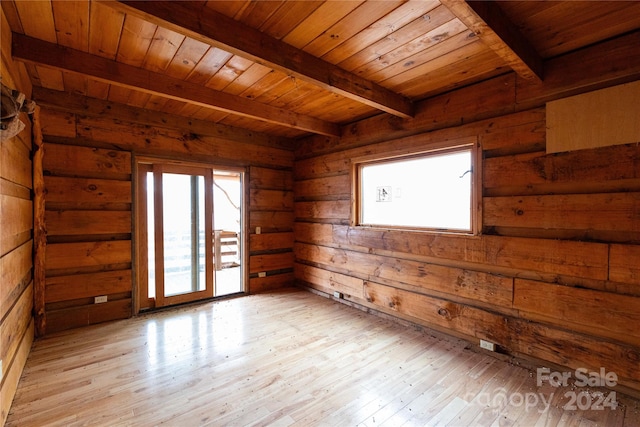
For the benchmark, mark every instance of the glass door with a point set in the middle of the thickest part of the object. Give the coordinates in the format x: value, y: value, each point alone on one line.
x: 189, y: 233
x: 227, y: 215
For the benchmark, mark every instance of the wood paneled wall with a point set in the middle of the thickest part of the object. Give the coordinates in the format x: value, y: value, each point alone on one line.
x: 271, y: 209
x: 554, y: 275
x: 16, y: 237
x: 88, y: 180
x: 88, y: 222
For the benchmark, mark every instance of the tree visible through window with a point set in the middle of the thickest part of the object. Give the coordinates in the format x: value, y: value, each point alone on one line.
x: 427, y: 191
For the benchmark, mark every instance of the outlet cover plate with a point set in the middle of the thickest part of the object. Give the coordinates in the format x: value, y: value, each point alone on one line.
x: 487, y: 345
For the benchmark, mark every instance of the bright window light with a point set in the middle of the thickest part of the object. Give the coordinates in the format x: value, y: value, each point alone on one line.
x: 429, y: 191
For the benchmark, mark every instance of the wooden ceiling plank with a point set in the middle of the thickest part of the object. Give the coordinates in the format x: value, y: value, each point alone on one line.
x: 13, y: 75
x: 266, y: 84
x: 217, y: 116
x: 620, y: 20
x: 155, y: 102
x: 163, y: 48
x: 138, y: 99
x: 402, y: 56
x: 201, y: 113
x: 105, y: 27
x: 252, y: 75
x: 218, y: 30
x: 50, y: 78
x: 385, y: 27
x: 75, y: 83
x: 598, y: 21
x: 12, y: 15
x: 97, y: 89
x: 442, y: 57
x: 492, y: 26
x: 286, y: 17
x: 472, y: 69
x: 119, y: 94
x: 256, y: 13
x: 72, y: 23
x: 173, y: 105
x: 280, y: 89
x: 188, y: 110
x: 408, y: 33
x: 361, y: 18
x: 300, y: 93
x: 608, y: 63
x: 334, y: 111
x: 229, y: 72
x: 186, y: 58
x: 33, y: 74
x: 325, y: 16
x: 210, y: 63
x: 33, y: 50
x: 135, y: 41
x: 229, y: 8
x: 449, y: 44
x: 320, y: 104
x: 331, y: 105
x: 37, y: 19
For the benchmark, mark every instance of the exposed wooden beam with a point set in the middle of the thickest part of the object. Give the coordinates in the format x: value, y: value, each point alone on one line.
x: 78, y: 104
x: 36, y: 51
x: 39, y: 228
x: 213, y: 28
x: 491, y: 25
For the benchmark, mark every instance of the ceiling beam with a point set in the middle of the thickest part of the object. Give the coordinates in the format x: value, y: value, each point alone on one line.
x: 487, y: 20
x: 215, y: 29
x: 36, y: 51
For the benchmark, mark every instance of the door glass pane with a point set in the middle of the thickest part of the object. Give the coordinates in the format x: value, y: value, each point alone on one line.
x: 183, y: 238
x: 151, y: 245
x: 227, y: 214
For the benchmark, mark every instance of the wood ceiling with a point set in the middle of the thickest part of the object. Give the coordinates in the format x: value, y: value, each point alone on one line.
x: 294, y: 68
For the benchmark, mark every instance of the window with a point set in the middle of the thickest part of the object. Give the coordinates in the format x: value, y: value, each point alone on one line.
x: 426, y: 191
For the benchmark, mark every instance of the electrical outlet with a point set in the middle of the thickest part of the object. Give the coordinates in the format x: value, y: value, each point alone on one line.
x: 100, y: 299
x: 258, y: 230
x: 487, y: 345
x: 262, y: 274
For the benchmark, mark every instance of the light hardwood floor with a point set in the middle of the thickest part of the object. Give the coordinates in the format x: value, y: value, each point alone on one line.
x: 286, y: 358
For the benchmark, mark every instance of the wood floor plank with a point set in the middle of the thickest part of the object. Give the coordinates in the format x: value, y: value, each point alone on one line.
x: 288, y: 358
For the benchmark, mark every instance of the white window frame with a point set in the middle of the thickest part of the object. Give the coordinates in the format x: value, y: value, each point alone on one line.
x: 445, y: 147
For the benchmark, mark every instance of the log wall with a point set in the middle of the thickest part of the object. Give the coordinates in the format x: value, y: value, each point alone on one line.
x: 88, y: 222
x: 552, y: 277
x: 88, y: 180
x: 16, y: 237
